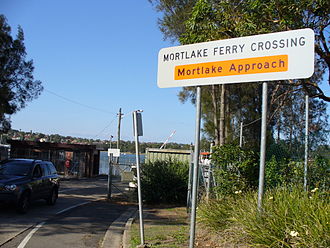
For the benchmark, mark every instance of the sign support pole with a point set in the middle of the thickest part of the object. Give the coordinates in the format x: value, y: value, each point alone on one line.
x: 109, y: 176
x: 138, y: 175
x: 306, y: 142
x: 195, y: 169
x: 262, y: 145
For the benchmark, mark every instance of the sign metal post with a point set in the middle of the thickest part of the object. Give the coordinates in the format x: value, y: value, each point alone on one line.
x: 306, y: 141
x: 137, y: 121
x: 109, y: 176
x: 262, y: 145
x: 195, y: 169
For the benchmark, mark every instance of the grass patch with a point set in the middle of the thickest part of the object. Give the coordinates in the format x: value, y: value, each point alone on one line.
x: 163, y: 227
x: 290, y: 218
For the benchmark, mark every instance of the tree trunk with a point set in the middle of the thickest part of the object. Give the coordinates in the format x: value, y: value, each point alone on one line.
x: 278, y: 129
x: 215, y: 115
x: 291, y: 127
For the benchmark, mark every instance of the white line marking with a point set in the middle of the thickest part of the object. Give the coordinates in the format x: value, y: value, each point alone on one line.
x: 66, y: 190
x: 74, y: 206
x: 28, y: 237
x: 36, y: 228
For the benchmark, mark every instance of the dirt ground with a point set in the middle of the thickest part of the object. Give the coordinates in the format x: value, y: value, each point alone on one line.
x: 168, y: 226
x: 227, y: 239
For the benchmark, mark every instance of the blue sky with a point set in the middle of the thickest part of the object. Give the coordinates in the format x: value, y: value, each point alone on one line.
x: 93, y: 58
x: 102, y: 54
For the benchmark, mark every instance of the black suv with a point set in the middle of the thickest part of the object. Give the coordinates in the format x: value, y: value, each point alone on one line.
x: 24, y: 180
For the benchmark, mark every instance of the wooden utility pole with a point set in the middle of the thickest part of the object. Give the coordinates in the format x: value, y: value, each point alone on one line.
x: 119, y: 121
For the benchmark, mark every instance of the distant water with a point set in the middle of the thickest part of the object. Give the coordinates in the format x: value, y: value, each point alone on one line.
x: 125, y: 162
x: 130, y: 158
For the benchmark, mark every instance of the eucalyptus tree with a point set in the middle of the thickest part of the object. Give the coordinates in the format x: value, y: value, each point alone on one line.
x: 191, y: 21
x: 17, y: 84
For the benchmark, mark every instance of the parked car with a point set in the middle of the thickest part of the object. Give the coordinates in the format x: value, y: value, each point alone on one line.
x: 25, y: 180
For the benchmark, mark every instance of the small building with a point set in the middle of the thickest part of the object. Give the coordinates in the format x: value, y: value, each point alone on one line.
x: 71, y: 159
x: 153, y: 154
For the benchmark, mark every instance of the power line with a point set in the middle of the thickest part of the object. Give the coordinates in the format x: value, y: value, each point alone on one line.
x: 86, y: 106
x: 105, y: 128
x: 78, y: 103
x: 245, y: 125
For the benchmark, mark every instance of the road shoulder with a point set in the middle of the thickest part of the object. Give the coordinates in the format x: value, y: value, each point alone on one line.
x: 114, y: 236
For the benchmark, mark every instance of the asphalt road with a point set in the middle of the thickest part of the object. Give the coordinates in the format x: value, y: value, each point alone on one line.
x: 80, y: 218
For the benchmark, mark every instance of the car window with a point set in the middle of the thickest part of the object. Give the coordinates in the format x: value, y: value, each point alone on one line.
x: 52, y: 168
x: 45, y: 170
x: 15, y: 167
x: 37, y: 171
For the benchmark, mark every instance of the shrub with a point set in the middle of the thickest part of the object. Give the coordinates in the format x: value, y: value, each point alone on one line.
x: 285, y: 172
x: 235, y: 169
x: 319, y: 174
x: 164, y: 182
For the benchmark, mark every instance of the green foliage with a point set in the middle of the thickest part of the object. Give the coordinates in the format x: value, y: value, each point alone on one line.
x: 165, y: 182
x: 319, y: 174
x: 290, y: 218
x: 17, y: 85
x: 206, y: 20
x: 216, y: 214
x: 201, y: 25
x: 290, y: 173
x: 279, y: 172
x: 279, y: 150
x: 235, y: 169
x: 174, y: 13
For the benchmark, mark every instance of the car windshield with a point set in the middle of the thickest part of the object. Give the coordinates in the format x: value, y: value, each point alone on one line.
x: 17, y: 168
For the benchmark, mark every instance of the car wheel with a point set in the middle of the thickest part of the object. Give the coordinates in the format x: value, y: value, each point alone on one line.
x: 51, y: 200
x: 23, y: 203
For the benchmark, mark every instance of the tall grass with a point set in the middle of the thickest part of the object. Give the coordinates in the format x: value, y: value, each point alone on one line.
x: 290, y: 218
x: 216, y: 214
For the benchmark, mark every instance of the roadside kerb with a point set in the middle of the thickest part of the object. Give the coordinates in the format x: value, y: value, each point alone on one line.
x: 115, y: 235
x: 127, y: 231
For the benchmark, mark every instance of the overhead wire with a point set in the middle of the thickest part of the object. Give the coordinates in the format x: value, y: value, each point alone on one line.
x: 105, y: 128
x: 86, y: 106
x: 78, y: 103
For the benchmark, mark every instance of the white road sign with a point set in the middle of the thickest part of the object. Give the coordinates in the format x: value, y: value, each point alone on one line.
x: 114, y: 152
x: 274, y: 56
